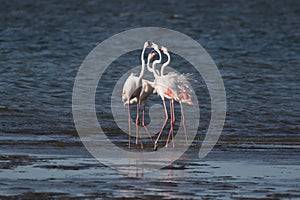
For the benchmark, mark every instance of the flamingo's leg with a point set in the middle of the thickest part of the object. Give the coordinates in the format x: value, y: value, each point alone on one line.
x: 173, y: 142
x: 137, y: 123
x: 144, y: 125
x: 173, y: 110
x: 141, y: 142
x: 183, y: 122
x: 166, y: 113
x: 143, y: 117
x: 171, y: 123
x: 129, y: 128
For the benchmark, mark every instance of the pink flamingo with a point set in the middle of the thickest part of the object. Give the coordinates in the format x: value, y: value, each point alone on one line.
x: 184, y: 94
x: 171, y: 86
x: 131, y: 93
x: 147, y: 88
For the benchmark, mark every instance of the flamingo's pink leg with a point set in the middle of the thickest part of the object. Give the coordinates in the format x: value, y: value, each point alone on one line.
x: 166, y: 113
x: 143, y: 117
x: 173, y: 111
x: 137, y: 123
x: 183, y: 122
x: 129, y: 128
x: 144, y: 125
x: 171, y: 123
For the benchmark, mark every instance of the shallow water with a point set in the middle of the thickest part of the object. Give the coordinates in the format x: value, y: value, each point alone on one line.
x: 255, y: 46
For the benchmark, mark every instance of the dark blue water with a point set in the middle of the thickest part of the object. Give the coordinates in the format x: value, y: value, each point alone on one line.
x: 255, y: 45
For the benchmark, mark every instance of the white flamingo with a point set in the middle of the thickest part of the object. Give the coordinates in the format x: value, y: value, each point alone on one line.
x: 132, y: 91
x: 171, y: 86
x: 184, y: 92
x: 147, y: 88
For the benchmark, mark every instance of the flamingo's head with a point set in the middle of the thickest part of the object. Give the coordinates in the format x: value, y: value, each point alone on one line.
x: 147, y: 44
x: 164, y: 49
x: 154, y: 46
x: 151, y: 55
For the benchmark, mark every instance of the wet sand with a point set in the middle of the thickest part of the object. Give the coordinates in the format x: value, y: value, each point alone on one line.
x: 60, y: 167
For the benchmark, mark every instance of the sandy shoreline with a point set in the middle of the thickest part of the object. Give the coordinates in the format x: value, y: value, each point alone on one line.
x: 63, y: 169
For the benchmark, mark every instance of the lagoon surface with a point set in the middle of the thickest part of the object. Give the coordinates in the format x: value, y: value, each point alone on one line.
x: 256, y: 47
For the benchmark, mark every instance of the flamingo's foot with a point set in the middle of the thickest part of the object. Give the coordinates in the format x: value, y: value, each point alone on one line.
x: 155, y: 146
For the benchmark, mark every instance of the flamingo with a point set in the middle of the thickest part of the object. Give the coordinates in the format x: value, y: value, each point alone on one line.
x: 162, y: 70
x: 147, y: 88
x: 184, y: 93
x: 171, y: 86
x: 163, y: 87
x: 131, y: 93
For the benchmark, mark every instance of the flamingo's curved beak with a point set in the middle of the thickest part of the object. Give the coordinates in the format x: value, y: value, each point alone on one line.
x: 153, y: 53
x: 152, y: 44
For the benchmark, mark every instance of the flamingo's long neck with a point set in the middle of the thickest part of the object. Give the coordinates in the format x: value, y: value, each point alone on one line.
x: 156, y: 62
x: 143, y: 64
x: 148, y: 65
x: 162, y: 70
